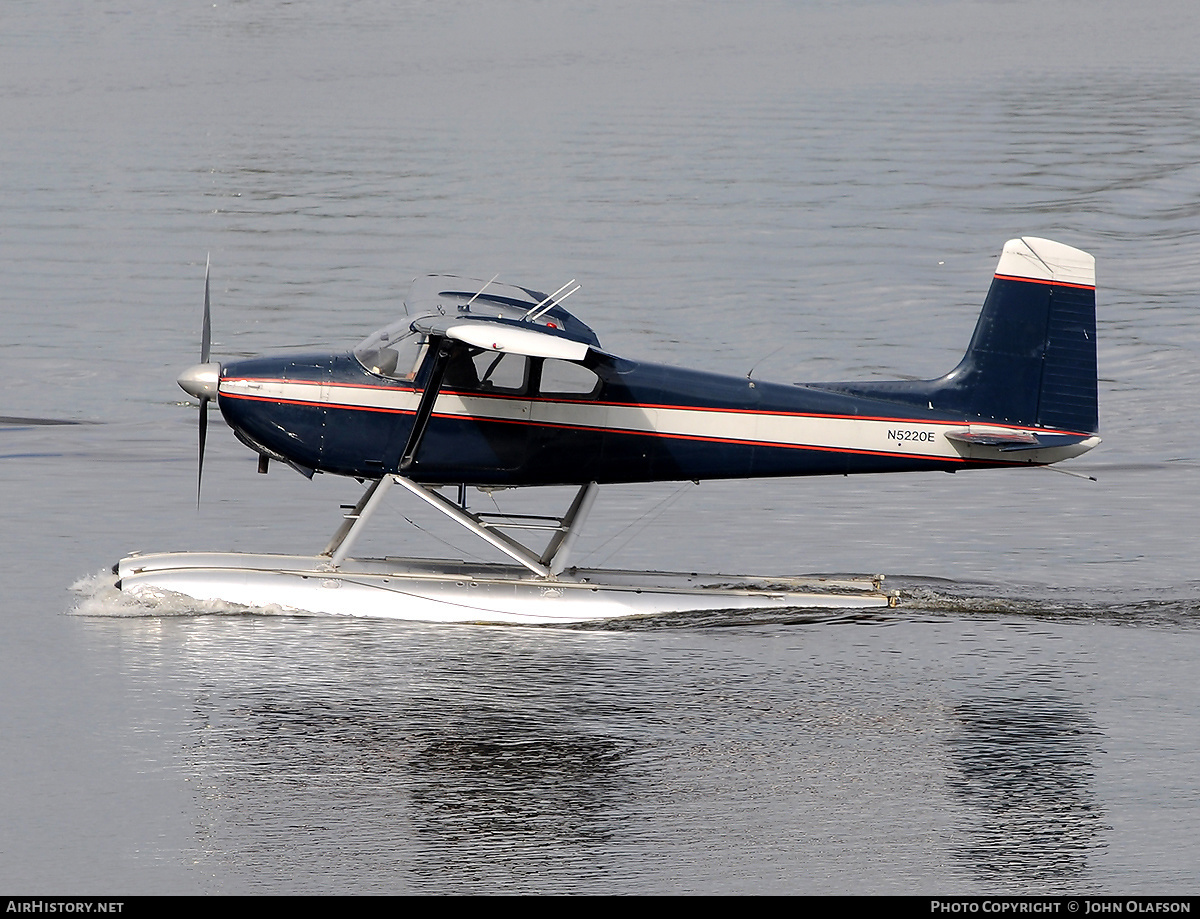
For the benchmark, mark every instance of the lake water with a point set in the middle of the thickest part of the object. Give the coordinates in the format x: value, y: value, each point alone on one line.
x: 815, y: 191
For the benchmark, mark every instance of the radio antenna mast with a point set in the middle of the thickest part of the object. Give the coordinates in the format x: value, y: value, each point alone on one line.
x: 550, y: 302
x: 481, y: 290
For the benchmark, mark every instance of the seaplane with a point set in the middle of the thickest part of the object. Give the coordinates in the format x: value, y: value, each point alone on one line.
x: 483, y: 386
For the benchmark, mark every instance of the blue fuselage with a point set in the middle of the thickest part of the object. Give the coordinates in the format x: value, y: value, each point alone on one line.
x: 639, y: 422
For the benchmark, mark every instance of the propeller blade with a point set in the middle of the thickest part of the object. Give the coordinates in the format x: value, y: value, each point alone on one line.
x: 206, y: 325
x: 203, y: 436
x: 200, y: 380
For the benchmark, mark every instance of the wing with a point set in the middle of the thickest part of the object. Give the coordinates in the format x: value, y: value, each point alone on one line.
x: 499, y: 335
x: 445, y: 297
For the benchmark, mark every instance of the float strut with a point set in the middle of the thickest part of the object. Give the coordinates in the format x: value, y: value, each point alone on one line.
x: 559, y: 549
x: 551, y: 562
x: 343, y: 539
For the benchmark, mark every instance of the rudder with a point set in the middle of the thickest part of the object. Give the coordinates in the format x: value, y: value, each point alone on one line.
x: 1032, y: 359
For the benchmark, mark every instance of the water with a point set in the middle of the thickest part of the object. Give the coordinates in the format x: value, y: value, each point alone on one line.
x: 836, y: 178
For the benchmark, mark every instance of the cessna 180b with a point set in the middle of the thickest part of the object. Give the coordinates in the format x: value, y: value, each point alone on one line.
x: 490, y: 385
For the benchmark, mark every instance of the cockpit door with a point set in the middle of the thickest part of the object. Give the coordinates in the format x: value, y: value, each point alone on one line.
x: 471, y: 421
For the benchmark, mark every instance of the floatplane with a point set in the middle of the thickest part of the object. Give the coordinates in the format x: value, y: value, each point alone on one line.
x: 489, y: 386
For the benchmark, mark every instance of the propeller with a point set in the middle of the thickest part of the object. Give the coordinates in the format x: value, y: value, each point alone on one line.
x: 200, y: 380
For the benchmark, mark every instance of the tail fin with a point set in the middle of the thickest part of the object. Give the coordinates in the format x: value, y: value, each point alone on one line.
x: 1032, y: 359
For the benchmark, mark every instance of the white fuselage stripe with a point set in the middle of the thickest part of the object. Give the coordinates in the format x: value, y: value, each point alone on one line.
x: 881, y: 436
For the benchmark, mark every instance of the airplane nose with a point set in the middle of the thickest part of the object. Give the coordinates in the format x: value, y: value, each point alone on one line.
x: 200, y: 380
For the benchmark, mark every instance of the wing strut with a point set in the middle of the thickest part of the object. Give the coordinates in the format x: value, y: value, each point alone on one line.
x: 425, y: 408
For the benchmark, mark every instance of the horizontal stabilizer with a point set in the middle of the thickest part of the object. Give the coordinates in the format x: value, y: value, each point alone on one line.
x: 1009, y: 441
x: 994, y: 438
x: 1047, y: 441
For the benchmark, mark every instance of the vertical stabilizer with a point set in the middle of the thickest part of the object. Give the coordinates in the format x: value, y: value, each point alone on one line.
x: 1032, y: 359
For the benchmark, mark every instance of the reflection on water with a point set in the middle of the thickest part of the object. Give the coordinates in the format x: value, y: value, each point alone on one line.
x: 775, y: 756
x: 510, y: 793
x: 1025, y: 767
x: 419, y: 790
x: 435, y: 760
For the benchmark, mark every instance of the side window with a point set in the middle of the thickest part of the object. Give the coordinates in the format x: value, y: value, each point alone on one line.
x: 486, y: 371
x: 563, y: 378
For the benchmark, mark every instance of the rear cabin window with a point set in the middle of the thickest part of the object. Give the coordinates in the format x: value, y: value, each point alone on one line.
x: 563, y: 378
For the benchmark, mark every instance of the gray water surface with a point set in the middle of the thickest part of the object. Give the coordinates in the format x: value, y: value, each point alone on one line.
x: 808, y: 191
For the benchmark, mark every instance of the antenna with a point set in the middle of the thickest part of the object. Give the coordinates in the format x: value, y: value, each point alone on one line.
x: 550, y: 302
x: 1070, y: 472
x: 481, y: 290
x: 763, y: 358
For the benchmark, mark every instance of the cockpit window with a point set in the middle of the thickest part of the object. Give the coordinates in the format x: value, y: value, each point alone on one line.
x: 395, y: 352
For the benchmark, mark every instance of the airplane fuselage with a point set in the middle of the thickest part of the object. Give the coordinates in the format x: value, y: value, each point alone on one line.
x: 637, y: 422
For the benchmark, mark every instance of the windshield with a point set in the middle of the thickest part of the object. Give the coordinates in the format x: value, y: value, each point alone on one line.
x: 395, y: 351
